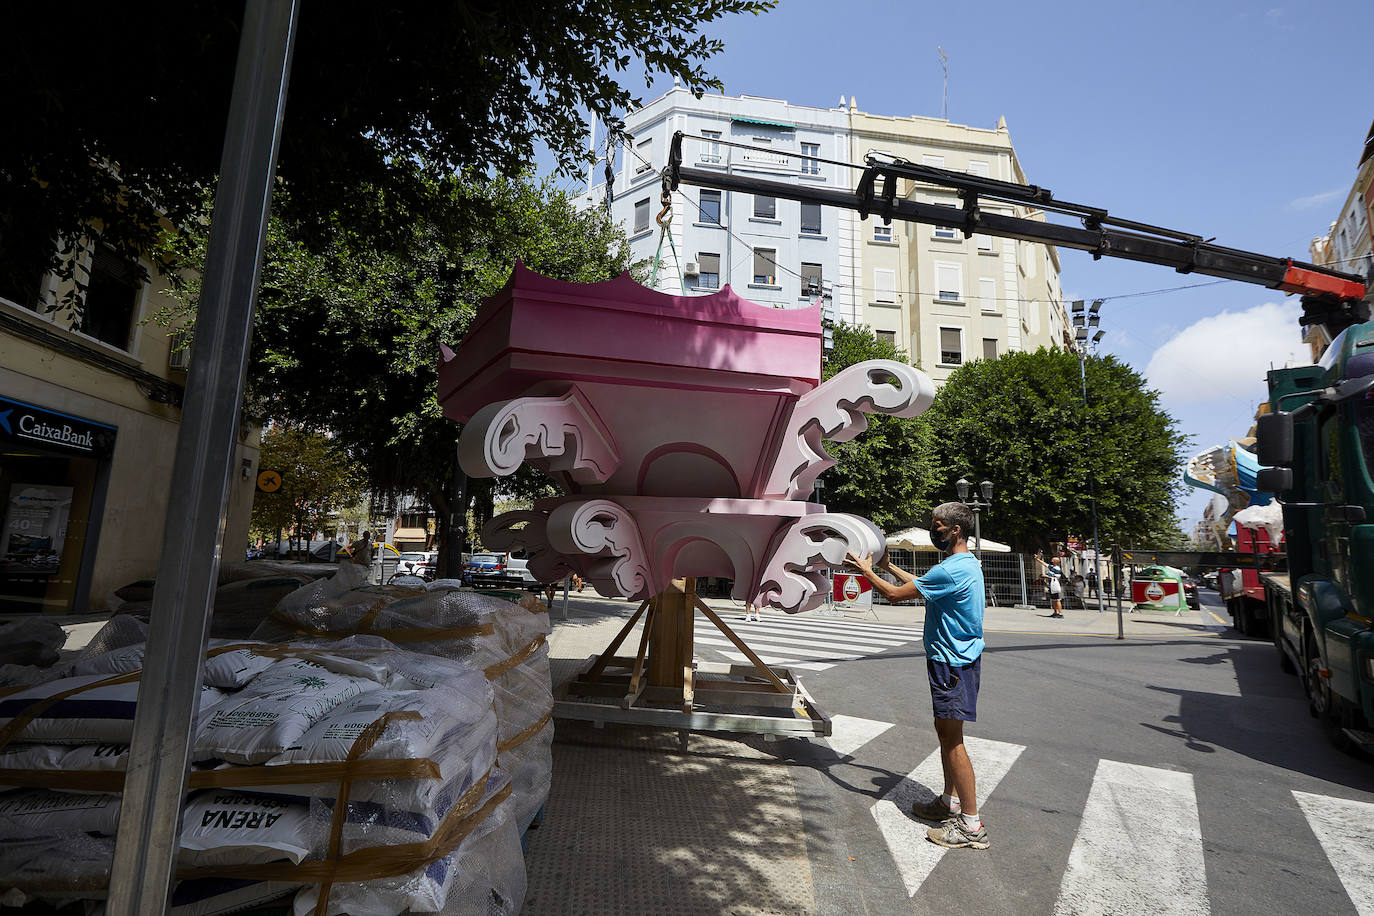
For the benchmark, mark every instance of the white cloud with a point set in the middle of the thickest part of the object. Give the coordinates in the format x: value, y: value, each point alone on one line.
x: 1226, y: 356
x: 1313, y: 201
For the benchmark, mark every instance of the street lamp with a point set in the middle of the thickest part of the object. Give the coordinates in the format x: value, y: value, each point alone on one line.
x: 1084, y: 324
x: 962, y: 485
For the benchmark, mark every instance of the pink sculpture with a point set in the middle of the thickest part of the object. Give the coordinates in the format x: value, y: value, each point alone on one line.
x: 686, y: 433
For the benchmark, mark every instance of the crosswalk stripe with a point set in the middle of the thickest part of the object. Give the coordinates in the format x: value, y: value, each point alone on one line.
x: 1345, y: 829
x: 742, y: 628
x: 799, y: 643
x: 1139, y: 846
x: 849, y: 733
x: 811, y: 653
x: 916, y: 857
x: 834, y: 624
x: 780, y: 662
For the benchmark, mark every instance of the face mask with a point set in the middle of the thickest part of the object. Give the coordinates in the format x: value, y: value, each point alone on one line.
x: 940, y: 543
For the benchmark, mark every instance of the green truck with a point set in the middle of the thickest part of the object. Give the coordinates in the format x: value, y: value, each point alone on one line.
x: 1318, y: 439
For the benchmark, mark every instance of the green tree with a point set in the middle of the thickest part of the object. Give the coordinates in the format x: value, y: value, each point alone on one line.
x: 374, y: 89
x: 888, y: 472
x: 318, y: 481
x: 1019, y: 421
x: 347, y: 334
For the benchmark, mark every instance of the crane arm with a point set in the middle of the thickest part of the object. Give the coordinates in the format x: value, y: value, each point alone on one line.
x: 1329, y: 297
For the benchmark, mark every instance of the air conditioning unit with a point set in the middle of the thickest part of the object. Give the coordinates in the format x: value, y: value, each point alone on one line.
x: 691, y: 268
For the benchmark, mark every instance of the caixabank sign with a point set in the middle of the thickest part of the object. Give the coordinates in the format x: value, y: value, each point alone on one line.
x: 28, y: 424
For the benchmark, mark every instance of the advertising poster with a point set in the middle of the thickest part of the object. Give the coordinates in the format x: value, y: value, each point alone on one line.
x: 852, y: 590
x: 35, y: 525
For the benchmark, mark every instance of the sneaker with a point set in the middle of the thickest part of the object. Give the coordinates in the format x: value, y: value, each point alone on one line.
x: 933, y: 810
x: 953, y: 834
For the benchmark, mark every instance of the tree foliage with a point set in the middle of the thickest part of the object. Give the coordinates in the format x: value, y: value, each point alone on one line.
x: 888, y: 472
x: 347, y: 335
x: 318, y: 481
x: 1019, y: 421
x: 125, y: 125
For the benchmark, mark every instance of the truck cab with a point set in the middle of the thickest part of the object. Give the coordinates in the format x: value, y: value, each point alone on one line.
x: 1319, y: 438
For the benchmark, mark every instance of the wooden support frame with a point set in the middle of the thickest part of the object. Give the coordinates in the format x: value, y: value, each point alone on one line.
x: 740, y: 644
x: 661, y: 686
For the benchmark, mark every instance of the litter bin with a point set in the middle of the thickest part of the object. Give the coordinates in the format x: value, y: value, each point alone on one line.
x: 1159, y: 588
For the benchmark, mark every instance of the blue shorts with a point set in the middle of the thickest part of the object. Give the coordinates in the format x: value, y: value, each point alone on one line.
x: 954, y: 689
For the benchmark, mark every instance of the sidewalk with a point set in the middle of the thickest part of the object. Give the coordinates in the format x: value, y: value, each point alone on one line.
x: 635, y: 825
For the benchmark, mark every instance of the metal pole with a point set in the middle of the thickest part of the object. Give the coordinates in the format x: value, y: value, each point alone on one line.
x: 978, y: 533
x: 1021, y: 568
x: 1116, y: 584
x: 1092, y: 485
x: 146, y: 848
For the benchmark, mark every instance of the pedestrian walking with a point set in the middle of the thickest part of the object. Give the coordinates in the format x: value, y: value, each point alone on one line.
x: 752, y: 613
x: 1092, y: 580
x: 1054, y: 576
x: 953, y: 592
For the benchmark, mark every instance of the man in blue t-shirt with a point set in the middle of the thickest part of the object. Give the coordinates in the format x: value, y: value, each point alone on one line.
x: 953, y: 592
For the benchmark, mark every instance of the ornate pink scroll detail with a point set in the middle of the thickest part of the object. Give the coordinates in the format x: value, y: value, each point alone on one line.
x: 606, y: 534
x: 527, y: 530
x: 558, y: 433
x: 793, y: 578
x: 835, y: 411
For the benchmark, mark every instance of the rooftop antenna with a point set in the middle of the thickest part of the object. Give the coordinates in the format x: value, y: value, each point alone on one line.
x: 944, y: 98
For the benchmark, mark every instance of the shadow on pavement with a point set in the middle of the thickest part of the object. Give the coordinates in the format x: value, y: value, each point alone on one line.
x: 635, y: 825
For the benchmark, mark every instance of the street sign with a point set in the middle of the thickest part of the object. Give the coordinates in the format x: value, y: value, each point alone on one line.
x: 269, y: 481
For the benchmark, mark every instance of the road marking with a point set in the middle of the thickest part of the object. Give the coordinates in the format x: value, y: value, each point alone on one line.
x: 1345, y: 829
x: 815, y: 631
x: 1139, y: 847
x: 849, y: 733
x: 816, y: 653
x: 800, y: 645
x: 916, y: 857
x: 1224, y: 623
x: 771, y: 660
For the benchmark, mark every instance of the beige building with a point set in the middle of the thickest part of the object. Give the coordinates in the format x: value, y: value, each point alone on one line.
x: 89, y: 413
x: 943, y: 298
x: 1349, y: 245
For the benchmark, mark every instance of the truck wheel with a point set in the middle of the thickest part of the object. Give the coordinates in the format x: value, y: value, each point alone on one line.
x: 1318, y: 691
x: 1237, y: 613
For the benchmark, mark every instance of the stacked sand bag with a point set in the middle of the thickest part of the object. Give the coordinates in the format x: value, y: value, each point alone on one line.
x: 506, y: 640
x: 333, y: 774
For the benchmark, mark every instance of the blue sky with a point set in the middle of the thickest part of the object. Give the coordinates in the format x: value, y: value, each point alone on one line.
x: 1232, y: 120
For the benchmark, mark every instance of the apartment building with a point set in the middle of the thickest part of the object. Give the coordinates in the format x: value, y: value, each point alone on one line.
x: 90, y: 395
x: 1349, y: 245
x: 941, y: 298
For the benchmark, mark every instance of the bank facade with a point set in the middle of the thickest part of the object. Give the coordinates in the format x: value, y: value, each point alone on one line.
x: 90, y: 407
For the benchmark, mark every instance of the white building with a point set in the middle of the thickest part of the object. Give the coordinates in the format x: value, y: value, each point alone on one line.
x: 941, y: 298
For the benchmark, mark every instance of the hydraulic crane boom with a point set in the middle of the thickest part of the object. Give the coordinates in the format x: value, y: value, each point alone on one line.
x: 1330, y: 298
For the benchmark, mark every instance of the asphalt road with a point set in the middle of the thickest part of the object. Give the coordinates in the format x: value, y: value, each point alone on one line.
x: 1177, y: 775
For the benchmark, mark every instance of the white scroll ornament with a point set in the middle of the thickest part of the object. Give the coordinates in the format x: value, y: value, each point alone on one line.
x: 607, y: 536
x: 835, y: 411
x: 557, y: 433
x: 794, y: 579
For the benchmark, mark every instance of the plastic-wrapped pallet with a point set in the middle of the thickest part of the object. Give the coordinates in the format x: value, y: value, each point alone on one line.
x: 505, y: 639
x: 484, y: 865
x: 409, y: 739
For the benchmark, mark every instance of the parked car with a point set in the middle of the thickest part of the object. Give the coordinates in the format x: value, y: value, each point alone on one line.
x: 483, y: 564
x: 522, y: 567
x: 1190, y: 592
x: 411, y: 561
